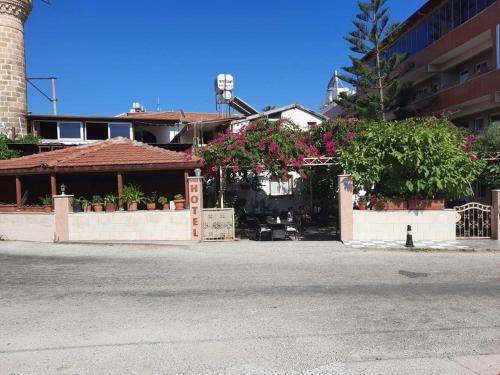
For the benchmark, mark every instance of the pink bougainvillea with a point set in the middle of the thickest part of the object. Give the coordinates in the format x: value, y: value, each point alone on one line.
x: 276, y: 146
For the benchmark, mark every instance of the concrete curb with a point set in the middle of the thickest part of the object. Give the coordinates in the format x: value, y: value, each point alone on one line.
x: 182, y: 245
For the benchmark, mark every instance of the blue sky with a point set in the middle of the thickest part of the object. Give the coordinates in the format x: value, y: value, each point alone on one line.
x: 110, y: 53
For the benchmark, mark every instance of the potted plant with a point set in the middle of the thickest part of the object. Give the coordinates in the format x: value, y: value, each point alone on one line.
x: 416, y: 202
x: 377, y: 202
x: 110, y: 202
x: 46, y: 202
x: 180, y: 202
x: 132, y: 196
x: 362, y: 203
x: 87, y: 207
x: 164, y: 203
x: 396, y: 204
x: 77, y: 205
x: 151, y: 201
x: 98, y: 203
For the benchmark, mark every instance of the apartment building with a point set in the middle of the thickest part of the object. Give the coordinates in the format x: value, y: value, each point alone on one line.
x: 453, y: 49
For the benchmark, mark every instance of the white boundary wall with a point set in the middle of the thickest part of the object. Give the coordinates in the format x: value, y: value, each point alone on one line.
x: 130, y: 226
x: 391, y: 225
x: 37, y: 227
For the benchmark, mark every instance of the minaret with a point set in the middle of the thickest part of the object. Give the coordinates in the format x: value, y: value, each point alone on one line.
x: 13, y: 101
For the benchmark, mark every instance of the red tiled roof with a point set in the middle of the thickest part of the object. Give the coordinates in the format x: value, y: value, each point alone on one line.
x: 113, y: 154
x: 177, y: 116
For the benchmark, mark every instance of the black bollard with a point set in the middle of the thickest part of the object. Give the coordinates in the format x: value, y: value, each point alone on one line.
x: 409, y: 237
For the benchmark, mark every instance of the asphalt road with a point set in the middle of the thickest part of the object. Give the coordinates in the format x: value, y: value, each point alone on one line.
x: 246, y: 308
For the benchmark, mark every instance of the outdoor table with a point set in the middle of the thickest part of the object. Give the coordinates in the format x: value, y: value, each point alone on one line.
x: 278, y: 230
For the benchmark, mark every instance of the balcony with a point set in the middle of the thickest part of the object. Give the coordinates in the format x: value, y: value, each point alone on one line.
x: 478, y: 92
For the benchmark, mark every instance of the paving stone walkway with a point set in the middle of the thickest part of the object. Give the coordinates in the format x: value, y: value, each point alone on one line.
x: 437, y: 245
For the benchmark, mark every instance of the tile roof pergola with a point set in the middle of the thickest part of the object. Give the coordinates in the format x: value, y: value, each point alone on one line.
x: 114, y: 155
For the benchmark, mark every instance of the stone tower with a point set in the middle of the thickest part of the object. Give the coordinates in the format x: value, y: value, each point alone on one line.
x: 13, y: 101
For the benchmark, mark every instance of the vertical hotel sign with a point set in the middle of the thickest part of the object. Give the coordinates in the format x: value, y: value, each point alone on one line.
x: 196, y: 206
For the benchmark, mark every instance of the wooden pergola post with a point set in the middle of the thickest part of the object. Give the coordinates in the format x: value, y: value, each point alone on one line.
x: 18, y: 192
x: 186, y: 186
x: 53, y: 187
x: 120, y: 190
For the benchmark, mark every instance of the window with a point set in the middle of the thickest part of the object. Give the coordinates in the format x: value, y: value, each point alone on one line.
x: 450, y: 15
x: 495, y: 120
x: 312, y: 124
x: 119, y: 130
x: 435, y: 87
x: 281, y: 187
x: 145, y: 136
x: 482, y: 67
x: 47, y: 130
x: 464, y: 76
x: 478, y: 125
x: 96, y: 131
x: 498, y: 47
x: 70, y: 130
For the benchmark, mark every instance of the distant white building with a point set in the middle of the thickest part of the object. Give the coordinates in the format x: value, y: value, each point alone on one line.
x: 335, y: 87
x: 295, y: 113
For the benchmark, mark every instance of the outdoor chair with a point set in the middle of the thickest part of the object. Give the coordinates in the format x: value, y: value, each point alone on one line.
x: 291, y: 230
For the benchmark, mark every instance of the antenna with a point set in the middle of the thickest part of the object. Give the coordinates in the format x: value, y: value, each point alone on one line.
x: 158, y: 105
x: 47, y: 2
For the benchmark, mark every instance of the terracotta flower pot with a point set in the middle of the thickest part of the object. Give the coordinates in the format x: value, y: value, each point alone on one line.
x: 437, y: 204
x: 423, y: 204
x: 377, y: 203
x: 132, y: 206
x: 98, y: 207
x: 180, y: 204
x: 396, y: 204
x: 166, y: 206
x: 151, y: 206
x: 33, y: 209
x: 87, y: 208
x: 47, y: 209
x: 110, y: 207
x: 8, y: 208
x: 362, y: 206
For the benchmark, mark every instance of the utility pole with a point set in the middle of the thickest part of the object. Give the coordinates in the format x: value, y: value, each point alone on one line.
x: 54, y: 95
x: 52, y: 99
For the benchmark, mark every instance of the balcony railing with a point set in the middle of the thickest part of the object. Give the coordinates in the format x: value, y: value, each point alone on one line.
x: 451, y: 85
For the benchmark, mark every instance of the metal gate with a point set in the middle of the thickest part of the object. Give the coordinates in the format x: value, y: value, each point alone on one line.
x: 473, y: 221
x: 218, y: 224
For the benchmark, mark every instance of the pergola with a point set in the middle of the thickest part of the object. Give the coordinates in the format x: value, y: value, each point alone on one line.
x: 117, y: 156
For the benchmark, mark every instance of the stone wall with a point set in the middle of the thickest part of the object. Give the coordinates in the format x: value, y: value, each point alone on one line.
x: 27, y: 227
x: 391, y: 225
x: 13, y: 102
x: 131, y: 226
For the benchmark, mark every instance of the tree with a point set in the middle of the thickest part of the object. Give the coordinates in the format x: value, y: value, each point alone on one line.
x: 377, y: 85
x: 268, y: 108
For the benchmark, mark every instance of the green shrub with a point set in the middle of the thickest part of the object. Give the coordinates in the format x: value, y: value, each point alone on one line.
x: 428, y: 157
x: 489, y: 142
